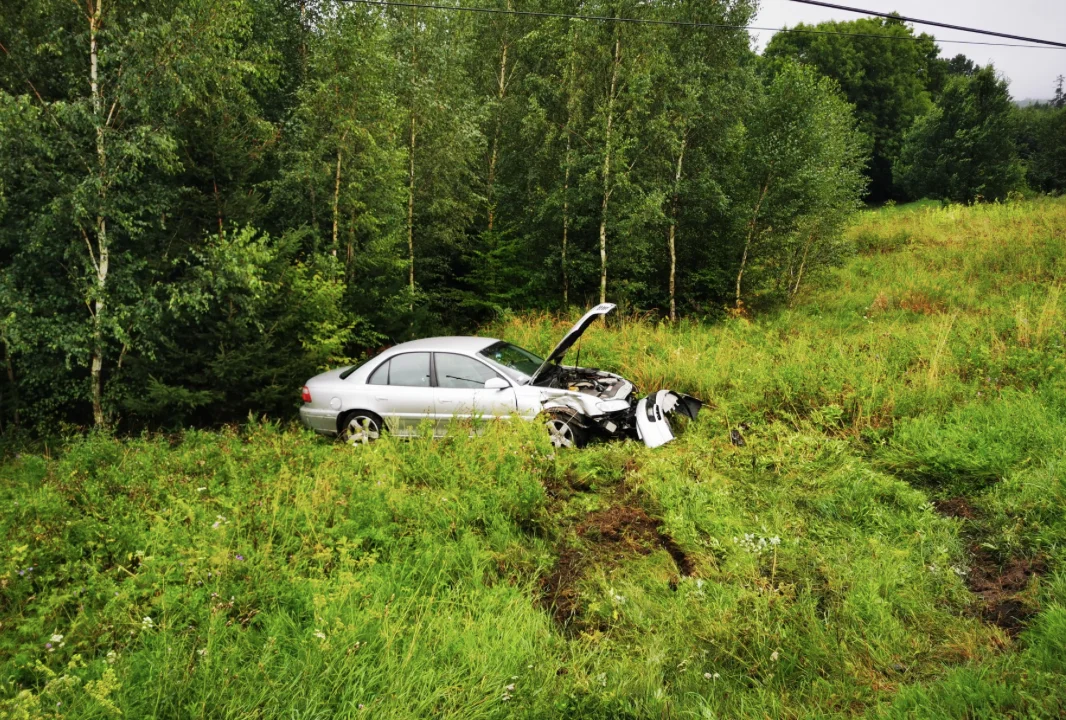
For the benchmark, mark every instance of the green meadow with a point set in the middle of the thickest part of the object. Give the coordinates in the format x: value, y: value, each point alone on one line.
x: 885, y: 536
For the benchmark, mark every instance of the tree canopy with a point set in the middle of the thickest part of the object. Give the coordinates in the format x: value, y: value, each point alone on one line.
x: 886, y: 70
x: 204, y: 202
x: 963, y: 150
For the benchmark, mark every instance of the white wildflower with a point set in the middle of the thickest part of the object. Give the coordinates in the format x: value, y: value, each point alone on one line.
x: 147, y: 623
x: 756, y: 544
x: 774, y: 656
x: 57, y: 638
x: 320, y: 635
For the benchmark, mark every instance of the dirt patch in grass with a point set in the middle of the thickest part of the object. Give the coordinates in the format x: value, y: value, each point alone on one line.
x: 918, y: 302
x: 1000, y: 587
x: 630, y: 530
x: 604, y: 538
x: 956, y: 507
x: 607, y: 537
x: 558, y: 594
x: 913, y: 301
x: 627, y: 526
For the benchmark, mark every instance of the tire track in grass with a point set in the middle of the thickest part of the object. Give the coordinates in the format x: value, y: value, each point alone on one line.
x: 1000, y: 586
x: 606, y: 537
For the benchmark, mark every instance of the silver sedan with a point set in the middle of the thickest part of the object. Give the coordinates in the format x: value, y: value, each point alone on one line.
x: 444, y: 379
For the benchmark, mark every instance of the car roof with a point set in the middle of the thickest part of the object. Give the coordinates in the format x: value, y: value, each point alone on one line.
x: 461, y: 344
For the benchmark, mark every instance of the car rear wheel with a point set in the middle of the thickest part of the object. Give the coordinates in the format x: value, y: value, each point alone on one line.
x: 565, y: 429
x: 360, y: 427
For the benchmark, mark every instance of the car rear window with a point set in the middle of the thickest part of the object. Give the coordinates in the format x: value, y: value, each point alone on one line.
x: 345, y: 373
x: 381, y: 375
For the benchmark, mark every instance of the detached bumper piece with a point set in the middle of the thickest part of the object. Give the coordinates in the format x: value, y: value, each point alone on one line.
x: 653, y: 415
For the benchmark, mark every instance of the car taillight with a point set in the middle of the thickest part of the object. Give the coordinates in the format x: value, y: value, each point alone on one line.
x: 306, y: 395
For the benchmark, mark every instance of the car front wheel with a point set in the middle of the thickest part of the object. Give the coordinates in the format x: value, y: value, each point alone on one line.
x: 360, y: 428
x: 565, y: 429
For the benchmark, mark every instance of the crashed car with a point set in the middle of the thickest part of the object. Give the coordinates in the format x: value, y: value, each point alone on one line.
x: 444, y: 379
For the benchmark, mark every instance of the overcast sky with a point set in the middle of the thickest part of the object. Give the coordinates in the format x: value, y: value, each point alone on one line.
x: 1032, y: 73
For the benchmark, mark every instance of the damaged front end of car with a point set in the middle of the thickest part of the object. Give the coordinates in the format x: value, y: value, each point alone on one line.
x: 650, y: 419
x: 605, y: 405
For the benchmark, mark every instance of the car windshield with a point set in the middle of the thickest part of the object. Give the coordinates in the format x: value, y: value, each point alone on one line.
x: 513, y: 357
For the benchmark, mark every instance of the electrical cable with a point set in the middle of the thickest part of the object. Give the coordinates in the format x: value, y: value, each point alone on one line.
x: 916, y: 21
x: 679, y: 23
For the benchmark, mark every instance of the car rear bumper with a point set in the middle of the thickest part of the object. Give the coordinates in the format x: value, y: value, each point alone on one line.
x: 322, y: 421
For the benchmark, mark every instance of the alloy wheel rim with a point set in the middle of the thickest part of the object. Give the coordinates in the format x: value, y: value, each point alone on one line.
x: 562, y: 435
x: 361, y: 430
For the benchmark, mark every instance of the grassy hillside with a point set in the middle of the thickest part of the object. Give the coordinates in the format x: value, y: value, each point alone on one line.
x: 888, y: 542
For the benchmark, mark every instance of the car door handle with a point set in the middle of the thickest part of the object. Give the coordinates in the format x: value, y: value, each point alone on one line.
x: 380, y: 397
x: 442, y: 400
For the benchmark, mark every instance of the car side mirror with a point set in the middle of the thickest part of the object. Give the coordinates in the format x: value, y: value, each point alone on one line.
x: 496, y: 383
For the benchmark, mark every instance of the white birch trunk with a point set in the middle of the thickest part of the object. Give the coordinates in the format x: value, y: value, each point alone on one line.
x: 794, y: 289
x: 673, y: 230
x: 411, y: 212
x: 607, y: 166
x: 102, y: 259
x: 501, y: 92
x: 751, y: 233
x: 570, y: 100
x: 566, y: 220
x: 337, y: 192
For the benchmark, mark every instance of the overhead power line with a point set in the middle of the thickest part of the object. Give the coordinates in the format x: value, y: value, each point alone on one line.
x: 678, y: 23
x: 916, y: 21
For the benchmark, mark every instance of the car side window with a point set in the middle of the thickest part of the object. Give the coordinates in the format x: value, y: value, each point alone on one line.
x: 410, y: 370
x: 381, y: 375
x: 458, y: 371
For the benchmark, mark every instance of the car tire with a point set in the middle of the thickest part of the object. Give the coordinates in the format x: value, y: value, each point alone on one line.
x: 360, y: 427
x: 565, y: 429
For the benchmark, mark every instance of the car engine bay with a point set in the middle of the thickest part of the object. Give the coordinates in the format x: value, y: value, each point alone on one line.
x: 590, y: 381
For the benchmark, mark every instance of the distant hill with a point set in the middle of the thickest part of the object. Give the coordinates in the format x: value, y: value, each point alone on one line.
x: 1029, y: 101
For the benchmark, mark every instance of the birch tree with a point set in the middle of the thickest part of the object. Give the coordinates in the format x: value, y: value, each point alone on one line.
x: 804, y: 173
x: 441, y: 137
x: 608, y: 112
x: 111, y: 174
x: 700, y: 96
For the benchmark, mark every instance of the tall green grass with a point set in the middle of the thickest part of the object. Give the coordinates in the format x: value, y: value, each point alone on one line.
x: 264, y: 572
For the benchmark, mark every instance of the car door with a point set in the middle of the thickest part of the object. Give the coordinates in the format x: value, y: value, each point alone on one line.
x: 461, y: 393
x: 402, y: 388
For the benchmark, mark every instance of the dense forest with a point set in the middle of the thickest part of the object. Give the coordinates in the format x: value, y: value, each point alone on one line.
x: 203, y: 202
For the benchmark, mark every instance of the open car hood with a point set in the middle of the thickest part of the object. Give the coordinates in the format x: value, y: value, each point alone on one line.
x: 572, y: 337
